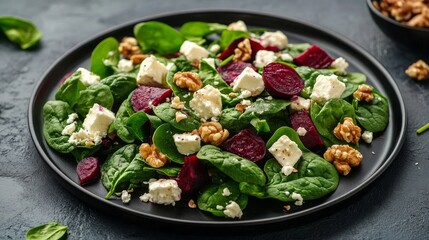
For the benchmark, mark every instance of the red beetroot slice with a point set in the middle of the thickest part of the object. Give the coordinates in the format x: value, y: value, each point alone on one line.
x: 88, y: 170
x: 193, y: 175
x: 145, y: 96
x: 314, y: 57
x: 255, y: 46
x: 311, y: 139
x: 231, y: 70
x: 246, y: 144
x: 281, y: 81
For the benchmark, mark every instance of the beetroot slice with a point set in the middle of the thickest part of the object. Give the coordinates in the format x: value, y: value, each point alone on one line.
x: 231, y: 70
x: 255, y: 46
x: 246, y: 144
x: 314, y: 57
x: 88, y: 170
x: 145, y: 96
x: 311, y: 139
x: 281, y: 81
x: 193, y: 176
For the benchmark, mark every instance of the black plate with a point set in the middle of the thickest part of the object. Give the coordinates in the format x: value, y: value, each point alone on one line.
x: 377, y: 156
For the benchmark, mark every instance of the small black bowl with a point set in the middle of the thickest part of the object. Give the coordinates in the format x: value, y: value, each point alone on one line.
x: 412, y: 36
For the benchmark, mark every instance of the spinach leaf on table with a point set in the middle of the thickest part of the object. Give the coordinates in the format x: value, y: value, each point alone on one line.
x: 201, y: 29
x: 158, y: 36
x: 55, y: 115
x: 20, y: 31
x: 164, y: 142
x: 70, y: 90
x: 104, y: 57
x: 237, y: 168
x: 168, y: 114
x: 121, y: 85
x: 48, y: 231
x: 96, y: 93
x: 212, y: 197
x: 373, y: 116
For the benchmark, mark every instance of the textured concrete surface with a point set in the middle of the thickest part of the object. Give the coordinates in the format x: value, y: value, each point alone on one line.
x: 395, y: 206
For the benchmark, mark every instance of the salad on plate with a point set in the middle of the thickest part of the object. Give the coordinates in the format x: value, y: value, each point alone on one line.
x: 212, y: 115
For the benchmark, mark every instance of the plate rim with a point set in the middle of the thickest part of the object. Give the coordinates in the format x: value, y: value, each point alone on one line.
x: 85, y: 194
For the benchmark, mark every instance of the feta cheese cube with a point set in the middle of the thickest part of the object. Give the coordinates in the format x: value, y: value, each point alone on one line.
x: 340, y: 64
x: 162, y: 191
x: 249, y: 80
x: 367, y: 136
x: 263, y: 57
x: 233, y: 210
x: 192, y: 51
x: 125, y: 65
x: 87, y: 77
x: 237, y: 26
x: 187, y: 143
x: 206, y: 102
x: 98, y: 120
x: 285, y: 151
x: 299, y: 103
x: 152, y: 73
x: 327, y: 87
x: 274, y: 39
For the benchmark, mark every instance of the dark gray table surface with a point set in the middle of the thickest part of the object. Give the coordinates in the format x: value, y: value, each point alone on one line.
x: 395, y: 206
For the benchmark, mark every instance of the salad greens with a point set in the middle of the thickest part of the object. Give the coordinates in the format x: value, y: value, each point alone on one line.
x: 216, y: 171
x: 20, y: 31
x: 48, y: 231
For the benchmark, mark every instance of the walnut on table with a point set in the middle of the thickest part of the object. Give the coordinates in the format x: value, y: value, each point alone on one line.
x: 418, y: 70
x: 152, y: 156
x: 343, y: 157
x: 189, y: 80
x: 213, y: 133
x: 348, y: 131
x: 243, y: 52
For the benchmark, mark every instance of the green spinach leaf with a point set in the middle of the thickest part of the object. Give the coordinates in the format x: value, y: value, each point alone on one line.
x: 20, y: 31
x: 297, y: 48
x: 164, y: 142
x: 70, y: 90
x: 159, y: 37
x: 49, y: 231
x: 120, y: 123
x: 121, y: 85
x: 229, y: 36
x: 105, y: 56
x: 230, y: 119
x: 263, y: 108
x: 201, y: 29
x: 96, y: 93
x: 373, y: 116
x: 135, y: 125
x: 168, y: 114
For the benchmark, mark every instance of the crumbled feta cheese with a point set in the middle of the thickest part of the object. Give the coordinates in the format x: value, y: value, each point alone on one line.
x: 69, y: 129
x: 233, y: 210
x: 249, y: 80
x: 219, y: 207
x: 238, y: 26
x: 327, y: 87
x: 340, y: 64
x: 180, y: 116
x: 274, y: 39
x: 286, y: 57
x: 214, y: 48
x: 162, y: 191
x: 245, y: 94
x: 177, y: 104
x: 263, y: 57
x: 285, y: 151
x: 98, y: 119
x: 210, y: 61
x: 226, y: 192
x: 192, y: 51
x: 246, y: 102
x: 299, y: 103
x: 298, y: 198
x: 301, y: 131
x: 287, y: 170
x: 72, y: 117
x: 187, y: 143
x: 87, y: 77
x: 367, y: 136
x: 152, y: 72
x: 206, y: 102
x: 125, y: 196
x: 86, y: 138
x: 125, y: 65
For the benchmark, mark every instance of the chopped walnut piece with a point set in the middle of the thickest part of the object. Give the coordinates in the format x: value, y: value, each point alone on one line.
x: 241, y: 107
x: 343, y: 157
x: 347, y: 131
x: 364, y: 93
x: 213, y: 133
x: 153, y: 157
x: 128, y: 47
x: 138, y: 58
x: 414, y: 13
x: 191, y: 204
x: 243, y: 52
x: 418, y: 70
x: 188, y: 80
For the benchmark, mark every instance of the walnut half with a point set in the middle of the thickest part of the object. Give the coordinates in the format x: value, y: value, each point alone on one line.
x: 213, y: 133
x: 348, y: 131
x: 243, y: 52
x: 418, y: 70
x: 153, y: 157
x: 343, y: 157
x: 129, y: 47
x: 364, y: 93
x: 188, y: 80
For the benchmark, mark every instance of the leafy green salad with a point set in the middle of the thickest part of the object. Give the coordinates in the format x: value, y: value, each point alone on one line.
x: 212, y: 115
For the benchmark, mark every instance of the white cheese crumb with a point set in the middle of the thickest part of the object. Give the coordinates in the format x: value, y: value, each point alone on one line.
x: 301, y: 131
x: 177, y: 104
x: 214, y: 48
x: 187, y: 143
x: 88, y: 78
x: 162, y: 191
x: 299, y: 103
x: 286, y: 57
x: 340, y: 64
x: 125, y: 65
x: 238, y: 26
x: 264, y: 57
x: 298, y: 198
x: 226, y: 192
x: 125, y: 196
x: 233, y: 210
x: 180, y: 116
x: 219, y: 207
x: 69, y: 129
x: 287, y: 170
x: 274, y: 39
x: 367, y: 136
x: 72, y: 117
x: 327, y: 87
x: 207, y: 102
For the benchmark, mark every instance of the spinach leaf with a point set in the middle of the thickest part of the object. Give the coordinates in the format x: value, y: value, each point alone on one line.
x: 81, y: 152
x: 229, y: 36
x: 135, y: 125
x: 326, y: 118
x: 316, y: 177
x: 164, y: 142
x: 201, y: 29
x: 159, y: 37
x: 105, y: 56
x: 212, y: 197
x: 296, y: 49
x: 121, y: 85
x: 55, y: 115
x: 120, y: 123
x: 48, y: 231
x: 20, y: 31
x: 230, y: 119
x: 168, y: 114
x: 263, y: 108
x: 237, y: 168
x: 373, y: 116
x: 169, y: 170
x: 96, y: 93
x: 260, y: 125
x: 210, y: 76
x: 70, y: 90
x: 180, y: 65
